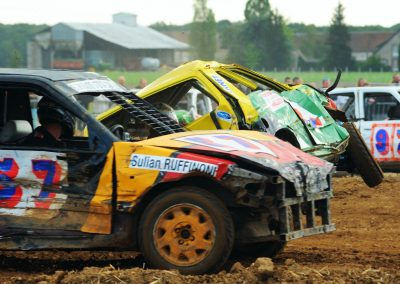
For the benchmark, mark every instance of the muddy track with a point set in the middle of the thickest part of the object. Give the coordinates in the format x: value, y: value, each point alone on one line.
x: 365, y: 247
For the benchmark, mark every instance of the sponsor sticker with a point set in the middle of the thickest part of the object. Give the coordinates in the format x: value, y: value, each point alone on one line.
x: 309, y: 118
x: 168, y: 164
x: 95, y: 85
x: 224, y: 116
x: 228, y: 143
x: 222, y: 83
x: 272, y: 100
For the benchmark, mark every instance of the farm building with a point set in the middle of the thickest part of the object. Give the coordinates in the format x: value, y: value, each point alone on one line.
x: 121, y: 44
x: 385, y: 45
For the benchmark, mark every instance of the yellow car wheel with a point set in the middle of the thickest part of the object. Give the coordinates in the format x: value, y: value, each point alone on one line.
x: 188, y: 229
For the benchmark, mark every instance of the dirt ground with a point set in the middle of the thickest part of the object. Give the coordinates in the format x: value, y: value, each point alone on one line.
x: 365, y: 248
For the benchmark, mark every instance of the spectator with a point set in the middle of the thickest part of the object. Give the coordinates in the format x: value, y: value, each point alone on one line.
x: 396, y: 79
x: 288, y: 80
x: 362, y: 82
x: 326, y: 83
x: 122, y: 81
x: 312, y: 84
x: 142, y: 84
x: 297, y: 81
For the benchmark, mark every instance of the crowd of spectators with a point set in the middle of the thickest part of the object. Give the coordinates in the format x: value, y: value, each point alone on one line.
x: 141, y: 84
x: 326, y: 82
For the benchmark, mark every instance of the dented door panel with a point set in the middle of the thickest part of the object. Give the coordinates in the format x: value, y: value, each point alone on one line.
x: 46, y: 190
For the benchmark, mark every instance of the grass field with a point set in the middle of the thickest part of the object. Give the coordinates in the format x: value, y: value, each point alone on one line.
x: 348, y: 78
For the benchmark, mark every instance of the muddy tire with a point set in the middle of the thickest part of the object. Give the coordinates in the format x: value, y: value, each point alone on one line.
x: 187, y: 229
x: 366, y: 165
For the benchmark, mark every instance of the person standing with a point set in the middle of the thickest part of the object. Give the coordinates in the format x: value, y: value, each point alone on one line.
x: 297, y: 81
x: 362, y: 82
x: 142, y: 83
x: 122, y: 81
x: 326, y: 83
x: 396, y: 79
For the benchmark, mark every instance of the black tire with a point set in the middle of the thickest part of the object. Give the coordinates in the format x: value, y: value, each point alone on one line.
x: 150, y: 232
x: 266, y: 249
x: 366, y: 165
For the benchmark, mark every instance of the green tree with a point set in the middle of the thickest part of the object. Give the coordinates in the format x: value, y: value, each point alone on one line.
x: 257, y: 9
x: 203, y: 33
x: 16, y: 59
x: 339, y: 51
x: 311, y: 43
x: 262, y: 42
x: 373, y: 63
x: 14, y: 39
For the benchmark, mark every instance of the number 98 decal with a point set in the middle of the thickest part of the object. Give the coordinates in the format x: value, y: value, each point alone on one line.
x: 385, y: 141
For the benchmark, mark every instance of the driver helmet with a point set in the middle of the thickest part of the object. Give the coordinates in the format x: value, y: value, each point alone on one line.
x: 49, y: 112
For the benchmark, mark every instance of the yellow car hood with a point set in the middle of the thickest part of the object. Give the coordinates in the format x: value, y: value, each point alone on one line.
x: 251, y: 147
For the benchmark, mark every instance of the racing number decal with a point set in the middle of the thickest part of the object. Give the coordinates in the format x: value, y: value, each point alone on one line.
x: 382, y: 142
x: 10, y: 195
x: 50, y: 172
x: 385, y: 141
x: 30, y: 179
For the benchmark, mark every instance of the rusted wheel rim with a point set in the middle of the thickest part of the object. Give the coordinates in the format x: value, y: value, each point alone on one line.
x: 184, y: 234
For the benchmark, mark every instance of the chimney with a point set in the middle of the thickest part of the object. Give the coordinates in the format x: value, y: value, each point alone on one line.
x: 125, y: 19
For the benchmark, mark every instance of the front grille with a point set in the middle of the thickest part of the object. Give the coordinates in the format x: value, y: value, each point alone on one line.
x: 306, y: 215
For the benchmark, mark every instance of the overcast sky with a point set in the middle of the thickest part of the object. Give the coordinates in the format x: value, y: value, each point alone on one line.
x: 318, y: 12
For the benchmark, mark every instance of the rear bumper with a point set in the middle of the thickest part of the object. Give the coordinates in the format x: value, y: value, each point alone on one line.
x: 306, y: 215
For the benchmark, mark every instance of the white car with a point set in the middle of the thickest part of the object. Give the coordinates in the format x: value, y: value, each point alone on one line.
x: 376, y: 112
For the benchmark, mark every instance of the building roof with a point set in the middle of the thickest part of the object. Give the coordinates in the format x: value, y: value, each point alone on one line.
x: 368, y: 41
x: 387, y: 40
x: 359, y: 41
x: 182, y: 36
x: 130, y: 37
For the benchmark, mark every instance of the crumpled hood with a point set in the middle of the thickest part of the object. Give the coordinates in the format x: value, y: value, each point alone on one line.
x: 305, y: 171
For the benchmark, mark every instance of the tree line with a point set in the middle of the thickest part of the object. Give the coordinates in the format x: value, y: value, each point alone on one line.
x: 264, y: 40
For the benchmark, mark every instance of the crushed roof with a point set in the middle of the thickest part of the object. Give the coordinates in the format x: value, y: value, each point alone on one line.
x: 131, y: 37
